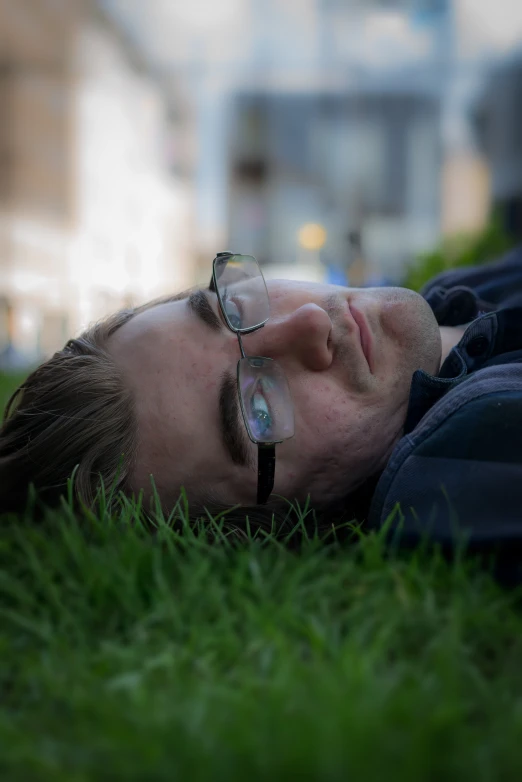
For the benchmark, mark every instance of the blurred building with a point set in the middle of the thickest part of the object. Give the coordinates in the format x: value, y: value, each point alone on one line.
x: 362, y: 164
x: 345, y: 133
x: 92, y: 215
x: 347, y: 115
x: 498, y: 121
x: 327, y: 113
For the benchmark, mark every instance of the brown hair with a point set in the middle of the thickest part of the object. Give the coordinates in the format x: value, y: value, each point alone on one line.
x: 73, y: 414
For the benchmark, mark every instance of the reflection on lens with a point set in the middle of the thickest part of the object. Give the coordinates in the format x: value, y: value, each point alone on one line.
x: 259, y: 412
x: 239, y: 279
x: 265, y: 400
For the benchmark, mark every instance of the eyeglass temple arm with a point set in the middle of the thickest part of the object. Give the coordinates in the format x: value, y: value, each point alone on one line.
x: 265, y: 472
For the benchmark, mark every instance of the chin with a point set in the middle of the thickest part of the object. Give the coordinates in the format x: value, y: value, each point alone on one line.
x: 409, y: 321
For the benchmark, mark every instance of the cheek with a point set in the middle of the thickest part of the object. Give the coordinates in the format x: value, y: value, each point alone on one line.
x: 332, y: 425
x: 207, y: 367
x: 321, y: 410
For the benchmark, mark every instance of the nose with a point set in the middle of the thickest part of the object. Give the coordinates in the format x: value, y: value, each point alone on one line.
x: 301, y: 335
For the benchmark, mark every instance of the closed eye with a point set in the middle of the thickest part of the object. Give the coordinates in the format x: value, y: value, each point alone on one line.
x: 233, y: 309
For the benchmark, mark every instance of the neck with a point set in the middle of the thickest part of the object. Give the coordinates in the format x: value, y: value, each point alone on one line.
x: 449, y: 337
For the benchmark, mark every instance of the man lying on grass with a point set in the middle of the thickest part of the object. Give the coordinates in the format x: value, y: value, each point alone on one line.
x: 246, y: 393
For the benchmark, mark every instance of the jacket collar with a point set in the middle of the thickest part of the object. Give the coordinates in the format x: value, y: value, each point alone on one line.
x: 489, y: 334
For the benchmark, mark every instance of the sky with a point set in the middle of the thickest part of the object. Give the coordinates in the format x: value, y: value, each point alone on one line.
x: 488, y: 26
x: 177, y: 32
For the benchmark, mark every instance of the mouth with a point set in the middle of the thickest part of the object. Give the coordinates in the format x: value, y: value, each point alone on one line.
x: 365, y: 334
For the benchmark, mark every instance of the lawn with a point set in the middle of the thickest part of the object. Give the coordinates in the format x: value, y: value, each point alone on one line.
x: 137, y: 656
x: 8, y: 383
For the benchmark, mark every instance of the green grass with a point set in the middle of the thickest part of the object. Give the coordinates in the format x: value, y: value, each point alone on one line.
x: 8, y: 383
x: 137, y: 656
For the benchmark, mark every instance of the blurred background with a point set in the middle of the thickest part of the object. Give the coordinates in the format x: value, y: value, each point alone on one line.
x: 335, y: 140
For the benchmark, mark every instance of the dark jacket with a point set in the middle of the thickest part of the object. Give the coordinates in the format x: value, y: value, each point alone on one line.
x: 457, y: 471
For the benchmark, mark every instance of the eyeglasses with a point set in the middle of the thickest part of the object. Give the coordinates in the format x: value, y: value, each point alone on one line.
x: 262, y: 388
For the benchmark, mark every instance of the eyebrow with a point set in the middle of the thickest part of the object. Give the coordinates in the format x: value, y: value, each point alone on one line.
x: 200, y: 305
x: 232, y: 432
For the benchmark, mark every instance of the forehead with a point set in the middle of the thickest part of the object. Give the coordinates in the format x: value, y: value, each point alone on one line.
x: 174, y: 367
x: 167, y: 325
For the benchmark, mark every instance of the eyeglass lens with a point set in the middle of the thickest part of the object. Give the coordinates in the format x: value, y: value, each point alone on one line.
x: 263, y: 389
x: 242, y: 289
x: 265, y: 400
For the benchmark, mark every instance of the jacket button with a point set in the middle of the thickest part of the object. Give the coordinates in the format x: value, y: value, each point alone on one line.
x: 477, y: 346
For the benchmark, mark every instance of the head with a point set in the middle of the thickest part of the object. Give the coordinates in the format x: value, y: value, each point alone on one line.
x: 152, y: 392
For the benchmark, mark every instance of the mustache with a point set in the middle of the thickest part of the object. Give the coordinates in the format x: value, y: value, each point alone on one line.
x: 335, y: 306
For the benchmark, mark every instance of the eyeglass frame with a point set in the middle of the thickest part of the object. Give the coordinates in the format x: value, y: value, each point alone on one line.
x: 265, y: 450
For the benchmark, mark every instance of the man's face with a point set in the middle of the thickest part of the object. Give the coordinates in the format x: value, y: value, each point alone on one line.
x: 348, y: 355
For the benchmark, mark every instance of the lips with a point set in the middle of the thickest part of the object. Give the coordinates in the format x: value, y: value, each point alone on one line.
x: 364, y: 334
